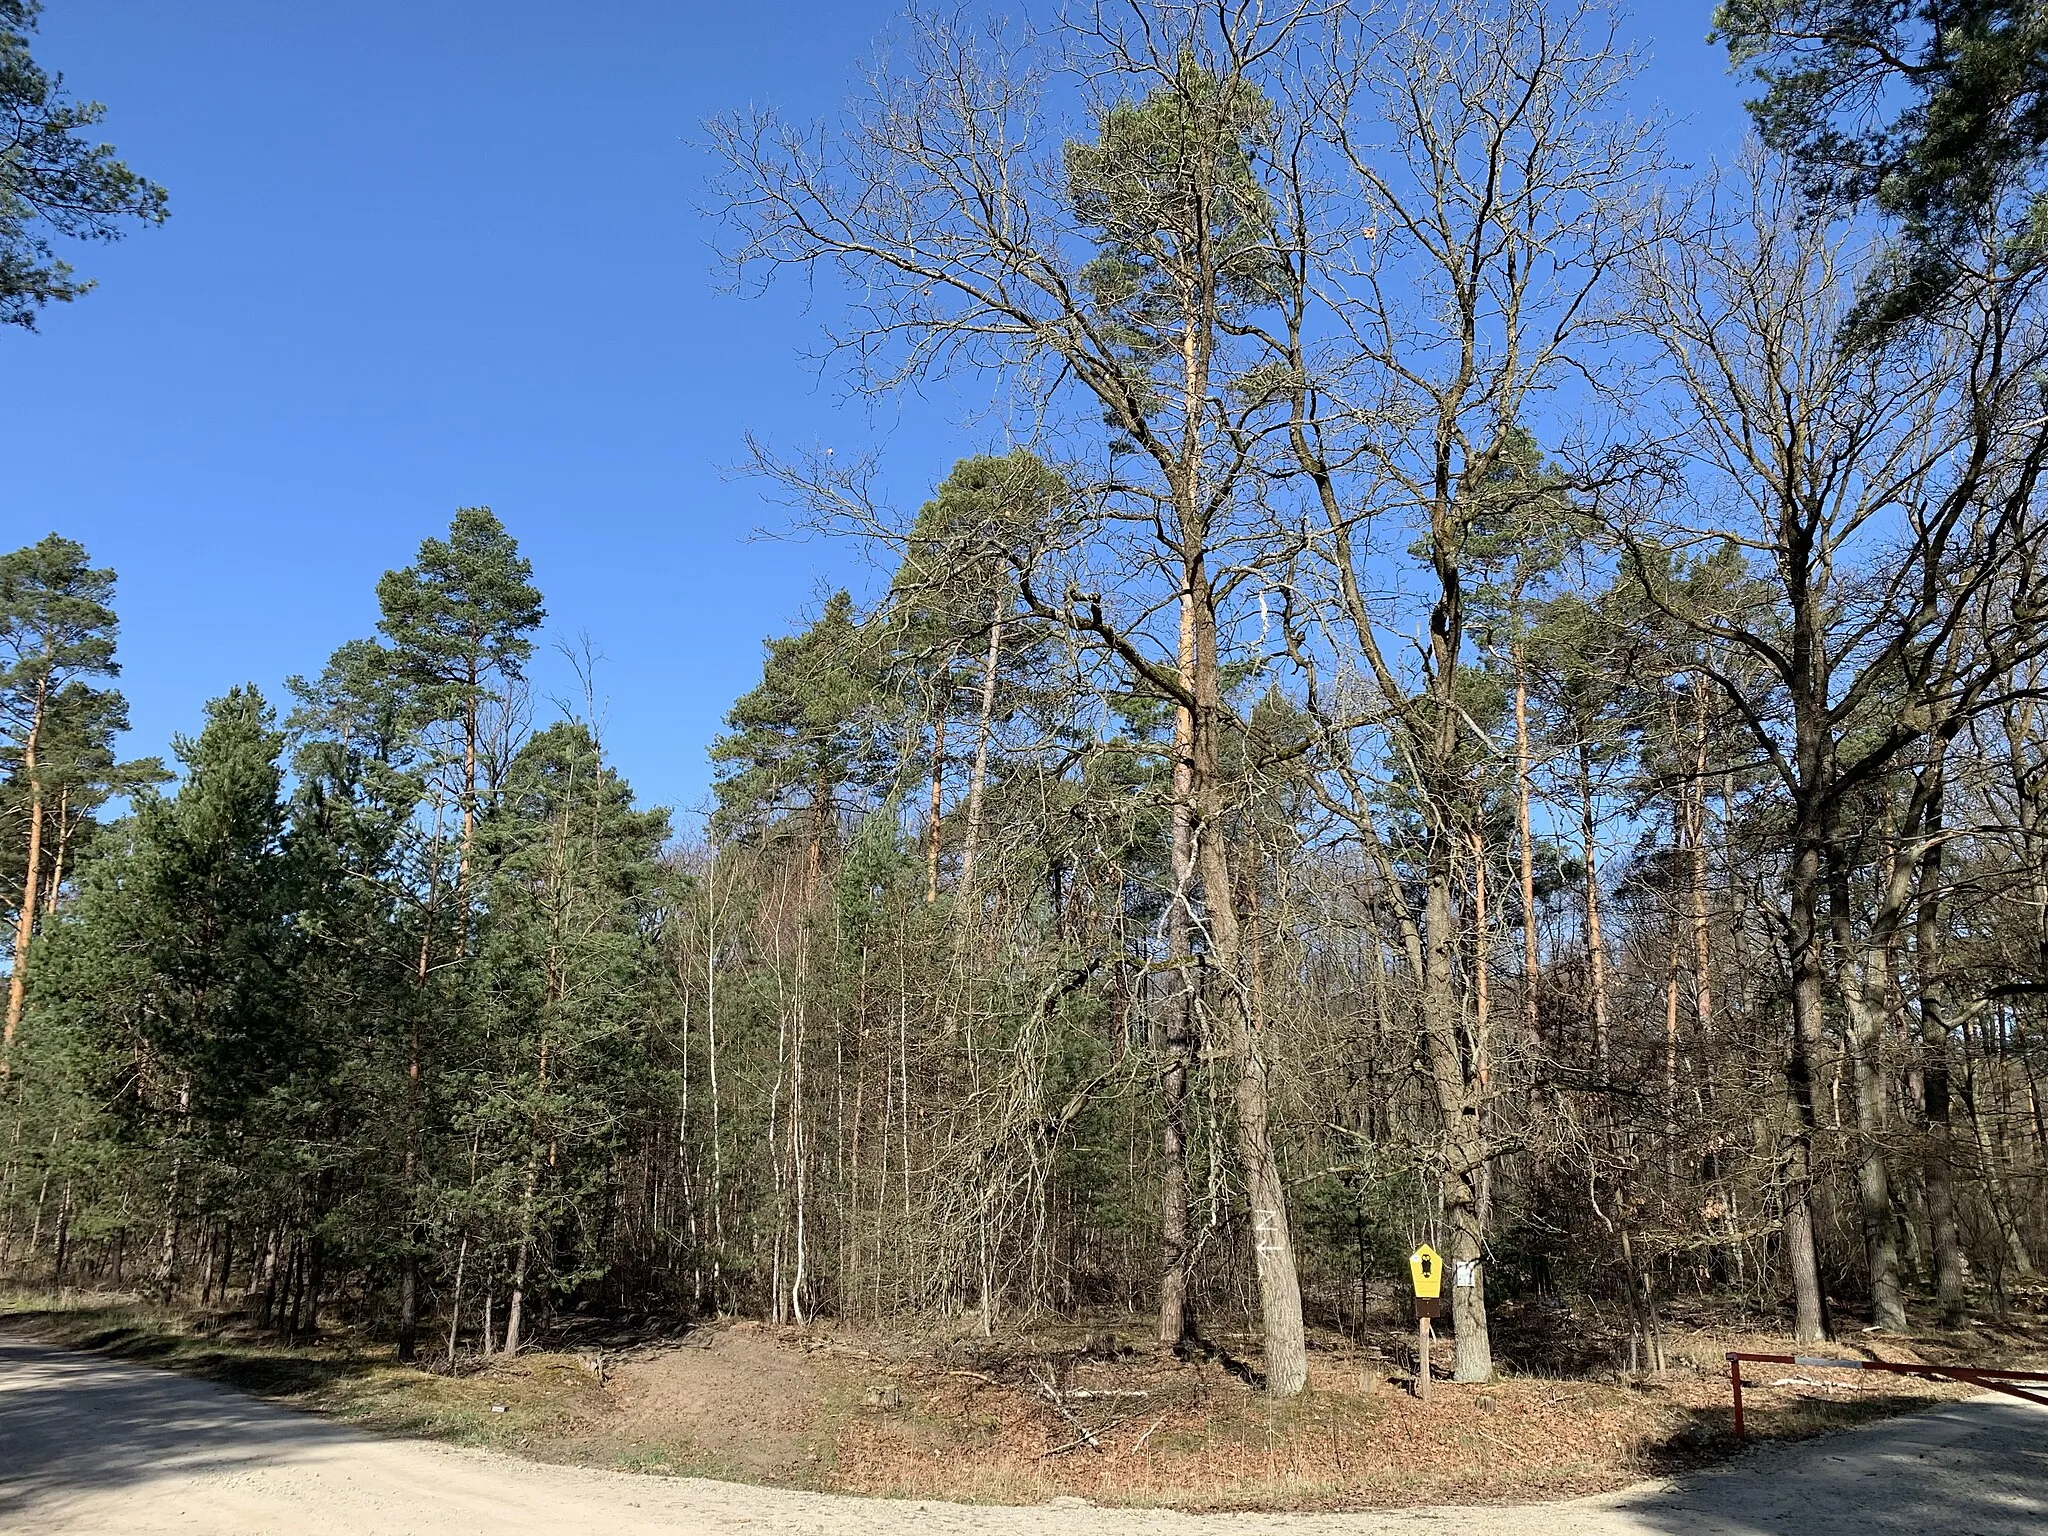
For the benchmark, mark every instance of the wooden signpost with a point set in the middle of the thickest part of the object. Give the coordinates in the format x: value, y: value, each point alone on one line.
x: 1426, y: 1268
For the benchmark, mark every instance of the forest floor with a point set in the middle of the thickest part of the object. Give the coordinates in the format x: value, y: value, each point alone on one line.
x: 1067, y: 1412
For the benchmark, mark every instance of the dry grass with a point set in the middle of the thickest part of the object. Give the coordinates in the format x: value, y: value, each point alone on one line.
x: 981, y: 1425
x: 1066, y: 1411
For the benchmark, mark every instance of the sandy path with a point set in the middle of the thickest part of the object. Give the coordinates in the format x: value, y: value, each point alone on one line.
x: 93, y: 1445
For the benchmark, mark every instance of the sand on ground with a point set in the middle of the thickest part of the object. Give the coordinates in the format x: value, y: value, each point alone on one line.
x: 89, y: 1444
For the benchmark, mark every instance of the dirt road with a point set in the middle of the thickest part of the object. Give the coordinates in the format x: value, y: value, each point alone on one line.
x: 93, y: 1445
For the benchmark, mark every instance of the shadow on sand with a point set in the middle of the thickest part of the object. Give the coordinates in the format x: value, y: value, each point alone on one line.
x: 1978, y: 1467
x: 72, y: 1424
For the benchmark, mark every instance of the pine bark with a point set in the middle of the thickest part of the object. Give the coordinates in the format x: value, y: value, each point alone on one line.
x: 1286, y: 1341
x: 25, y: 919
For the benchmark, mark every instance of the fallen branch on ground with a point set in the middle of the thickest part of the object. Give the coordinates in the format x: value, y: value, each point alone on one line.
x: 1052, y: 1396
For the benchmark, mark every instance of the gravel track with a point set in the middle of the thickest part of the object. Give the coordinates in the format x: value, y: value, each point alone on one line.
x: 95, y: 1445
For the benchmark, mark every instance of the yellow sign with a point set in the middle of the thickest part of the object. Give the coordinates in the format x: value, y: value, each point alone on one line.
x: 1427, y: 1266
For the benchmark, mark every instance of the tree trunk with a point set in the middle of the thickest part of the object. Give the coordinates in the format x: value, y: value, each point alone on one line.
x: 1696, y: 840
x: 307, y: 1328
x: 409, y: 1258
x: 1286, y: 1342
x: 931, y: 826
x: 1174, y: 1240
x: 1996, y: 1194
x: 167, y: 1249
x: 1672, y: 966
x: 1481, y: 1003
x: 1531, y: 1024
x: 288, y: 1311
x: 1536, y: 1092
x: 470, y: 733
x: 515, y: 1310
x: 1453, y: 1071
x: 55, y: 888
x: 25, y: 919
x: 1937, y: 1163
x: 263, y: 1275
x: 977, y: 778
x: 409, y: 1300
x: 455, y: 1303
x: 63, y: 1241
x: 1810, y: 1319
x: 1596, y: 943
x: 1866, y: 993
x: 1481, y: 1039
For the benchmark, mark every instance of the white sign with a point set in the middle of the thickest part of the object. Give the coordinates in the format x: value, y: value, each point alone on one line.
x: 1465, y: 1274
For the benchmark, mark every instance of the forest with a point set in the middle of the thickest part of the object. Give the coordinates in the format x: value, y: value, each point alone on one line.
x: 1471, y: 682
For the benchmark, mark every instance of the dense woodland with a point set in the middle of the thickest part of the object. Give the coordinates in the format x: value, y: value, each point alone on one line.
x: 1471, y: 684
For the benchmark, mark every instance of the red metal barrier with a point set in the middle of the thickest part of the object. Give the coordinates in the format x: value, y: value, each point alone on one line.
x: 1996, y: 1380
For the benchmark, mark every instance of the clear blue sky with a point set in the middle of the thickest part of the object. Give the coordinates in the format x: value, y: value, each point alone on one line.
x: 449, y: 253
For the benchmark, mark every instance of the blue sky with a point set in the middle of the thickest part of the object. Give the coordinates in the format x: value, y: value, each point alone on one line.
x: 450, y: 253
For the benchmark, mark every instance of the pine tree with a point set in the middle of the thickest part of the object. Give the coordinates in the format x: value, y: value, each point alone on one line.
x: 812, y: 730
x: 175, y: 968
x: 77, y: 774
x: 458, y: 624
x: 566, y: 976
x: 53, y: 180
x: 954, y: 599
x: 57, y: 627
x: 1935, y: 114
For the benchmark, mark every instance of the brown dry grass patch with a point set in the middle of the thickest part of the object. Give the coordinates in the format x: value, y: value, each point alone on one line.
x: 1195, y: 1436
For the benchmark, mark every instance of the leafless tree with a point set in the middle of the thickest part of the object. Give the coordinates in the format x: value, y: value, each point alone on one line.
x: 1880, y: 495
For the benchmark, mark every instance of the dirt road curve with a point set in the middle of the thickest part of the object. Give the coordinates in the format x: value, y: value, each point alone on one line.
x: 91, y: 1445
